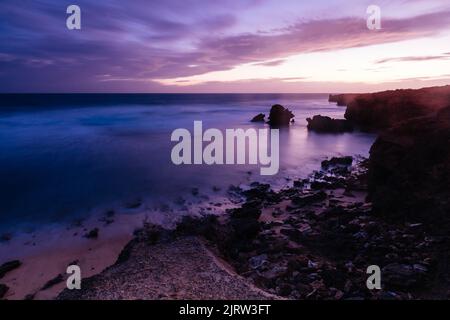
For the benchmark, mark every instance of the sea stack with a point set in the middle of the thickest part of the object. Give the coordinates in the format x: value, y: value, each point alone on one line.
x: 280, y: 116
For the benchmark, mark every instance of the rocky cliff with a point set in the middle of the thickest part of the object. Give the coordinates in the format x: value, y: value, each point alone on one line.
x: 381, y: 110
x: 409, y: 166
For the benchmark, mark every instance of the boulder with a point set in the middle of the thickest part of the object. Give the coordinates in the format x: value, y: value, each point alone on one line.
x: 280, y: 116
x: 324, y: 124
x: 336, y: 161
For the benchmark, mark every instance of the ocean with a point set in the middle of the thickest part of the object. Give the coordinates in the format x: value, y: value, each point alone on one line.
x: 65, y: 157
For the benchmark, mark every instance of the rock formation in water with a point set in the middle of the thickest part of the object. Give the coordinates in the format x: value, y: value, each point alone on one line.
x: 323, y: 124
x: 280, y: 116
x: 259, y: 118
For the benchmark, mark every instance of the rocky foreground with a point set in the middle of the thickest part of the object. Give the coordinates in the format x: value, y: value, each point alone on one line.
x: 312, y: 241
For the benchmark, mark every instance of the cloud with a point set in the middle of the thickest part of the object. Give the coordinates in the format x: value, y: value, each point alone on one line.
x: 271, y: 63
x: 444, y: 56
x: 135, y: 43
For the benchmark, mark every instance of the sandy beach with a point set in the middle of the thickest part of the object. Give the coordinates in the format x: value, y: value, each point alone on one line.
x: 46, y: 253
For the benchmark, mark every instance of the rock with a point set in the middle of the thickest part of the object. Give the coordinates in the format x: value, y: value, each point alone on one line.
x: 299, y: 183
x: 245, y: 228
x: 403, y: 276
x: 324, y: 124
x: 93, y: 234
x: 336, y: 161
x: 274, y: 273
x: 9, y: 266
x: 258, y: 261
x: 58, y: 279
x: 409, y: 171
x: 260, y: 192
x: 284, y: 290
x: 259, y: 118
x: 249, y: 210
x: 293, y: 234
x: 280, y: 116
x: 205, y: 226
x: 308, y: 199
x: 3, y: 290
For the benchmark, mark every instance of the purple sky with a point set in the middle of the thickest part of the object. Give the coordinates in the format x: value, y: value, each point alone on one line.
x: 222, y: 46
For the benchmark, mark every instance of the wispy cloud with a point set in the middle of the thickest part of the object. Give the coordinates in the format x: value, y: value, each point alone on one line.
x: 135, y: 43
x: 443, y: 56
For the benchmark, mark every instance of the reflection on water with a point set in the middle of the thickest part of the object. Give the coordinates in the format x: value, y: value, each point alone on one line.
x: 59, y: 162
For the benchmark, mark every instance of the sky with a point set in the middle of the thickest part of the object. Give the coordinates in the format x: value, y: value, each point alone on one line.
x: 194, y: 46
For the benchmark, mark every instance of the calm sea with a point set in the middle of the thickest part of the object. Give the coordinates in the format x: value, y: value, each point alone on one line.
x: 66, y: 156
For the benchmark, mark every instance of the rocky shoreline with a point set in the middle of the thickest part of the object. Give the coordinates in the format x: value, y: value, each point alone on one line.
x: 312, y: 241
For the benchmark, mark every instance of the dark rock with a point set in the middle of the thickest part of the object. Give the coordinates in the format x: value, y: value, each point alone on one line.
x: 260, y: 192
x: 259, y: 118
x: 280, y: 116
x: 249, y: 210
x: 93, y: 234
x: 336, y: 161
x: 58, y: 279
x: 258, y: 261
x: 324, y: 124
x: 409, y: 171
x: 9, y: 266
x: 245, y: 228
x: 204, y: 226
x: 3, y: 290
x: 308, y: 199
x: 299, y: 183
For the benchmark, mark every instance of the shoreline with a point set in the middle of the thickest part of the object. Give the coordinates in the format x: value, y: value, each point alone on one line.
x: 312, y: 241
x: 45, y: 254
x: 43, y: 261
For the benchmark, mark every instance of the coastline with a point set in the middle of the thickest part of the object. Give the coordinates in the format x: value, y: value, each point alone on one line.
x: 313, y: 240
